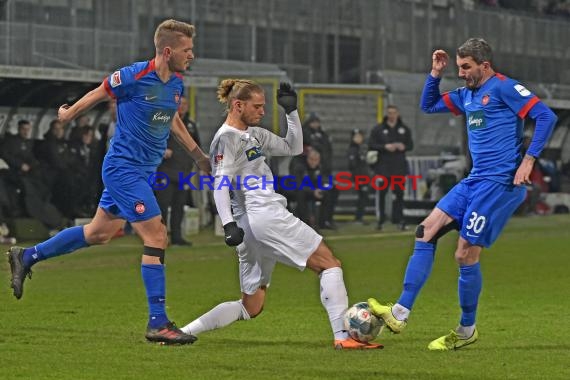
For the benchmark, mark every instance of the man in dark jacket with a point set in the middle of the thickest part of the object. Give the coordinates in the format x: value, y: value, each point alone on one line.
x: 358, y: 167
x: 18, y: 152
x: 392, y: 138
x: 176, y: 160
x: 315, y: 137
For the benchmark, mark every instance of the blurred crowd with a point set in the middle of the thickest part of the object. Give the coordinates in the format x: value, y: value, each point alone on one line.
x: 545, y: 7
x: 54, y: 179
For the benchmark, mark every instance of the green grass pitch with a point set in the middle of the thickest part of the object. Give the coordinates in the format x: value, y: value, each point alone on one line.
x: 83, y: 315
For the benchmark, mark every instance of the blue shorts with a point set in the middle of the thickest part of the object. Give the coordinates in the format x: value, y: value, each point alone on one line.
x: 481, y: 208
x: 128, y: 194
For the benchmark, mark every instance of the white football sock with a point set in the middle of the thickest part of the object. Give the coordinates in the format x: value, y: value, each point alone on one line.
x: 465, y: 331
x: 334, y: 299
x: 220, y: 316
x: 400, y: 312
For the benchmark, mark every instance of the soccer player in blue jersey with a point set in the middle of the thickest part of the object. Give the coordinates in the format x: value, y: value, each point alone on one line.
x: 495, y: 107
x: 147, y: 95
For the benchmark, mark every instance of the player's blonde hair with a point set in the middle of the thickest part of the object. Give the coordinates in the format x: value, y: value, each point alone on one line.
x: 241, y: 89
x: 169, y: 31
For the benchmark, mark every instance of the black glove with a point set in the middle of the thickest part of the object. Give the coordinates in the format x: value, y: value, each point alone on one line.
x: 287, y: 97
x: 233, y: 234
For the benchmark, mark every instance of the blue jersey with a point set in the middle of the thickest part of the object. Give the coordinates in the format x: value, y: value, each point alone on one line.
x: 145, y: 109
x: 494, y: 120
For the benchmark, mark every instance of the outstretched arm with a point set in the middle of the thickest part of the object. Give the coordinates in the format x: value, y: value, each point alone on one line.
x: 292, y: 144
x: 181, y: 133
x: 67, y: 113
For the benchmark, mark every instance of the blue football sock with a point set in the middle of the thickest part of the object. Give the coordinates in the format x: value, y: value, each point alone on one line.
x: 417, y: 272
x: 66, y: 241
x: 469, y: 287
x: 154, y: 282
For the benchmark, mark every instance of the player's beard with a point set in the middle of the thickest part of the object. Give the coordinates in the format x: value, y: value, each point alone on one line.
x: 472, y: 82
x: 252, y: 121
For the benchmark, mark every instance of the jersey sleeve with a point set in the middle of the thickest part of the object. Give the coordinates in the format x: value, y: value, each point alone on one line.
x: 119, y: 83
x: 290, y: 145
x: 518, y: 98
x: 222, y: 159
x: 432, y: 101
x: 223, y: 156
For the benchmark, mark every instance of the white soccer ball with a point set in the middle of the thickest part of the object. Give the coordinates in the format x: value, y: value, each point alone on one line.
x: 361, y: 324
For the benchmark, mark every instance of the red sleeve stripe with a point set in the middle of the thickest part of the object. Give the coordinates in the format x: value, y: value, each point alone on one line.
x: 108, y: 88
x: 148, y: 69
x: 450, y: 105
x: 522, y: 113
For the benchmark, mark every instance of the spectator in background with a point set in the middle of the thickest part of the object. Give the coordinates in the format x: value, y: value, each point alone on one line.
x: 74, y: 134
x: 391, y: 138
x: 315, y: 137
x: 87, y: 165
x: 7, y: 202
x: 107, y: 131
x: 177, y: 160
x: 357, y: 166
x: 18, y: 152
x: 314, y: 202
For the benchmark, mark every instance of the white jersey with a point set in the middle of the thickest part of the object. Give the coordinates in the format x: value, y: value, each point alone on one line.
x: 239, y: 167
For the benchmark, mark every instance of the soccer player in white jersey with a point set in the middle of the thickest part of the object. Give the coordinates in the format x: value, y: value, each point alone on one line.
x: 255, y: 217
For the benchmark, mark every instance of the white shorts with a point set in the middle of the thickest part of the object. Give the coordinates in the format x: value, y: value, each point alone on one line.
x: 272, y: 235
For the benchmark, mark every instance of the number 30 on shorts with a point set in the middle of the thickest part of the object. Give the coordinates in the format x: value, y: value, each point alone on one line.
x: 476, y: 223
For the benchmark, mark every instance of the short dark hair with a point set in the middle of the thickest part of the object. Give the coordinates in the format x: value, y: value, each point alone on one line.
x: 22, y: 122
x: 476, y: 48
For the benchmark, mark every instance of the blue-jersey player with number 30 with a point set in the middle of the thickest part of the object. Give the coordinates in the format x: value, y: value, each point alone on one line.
x: 147, y: 95
x: 495, y: 107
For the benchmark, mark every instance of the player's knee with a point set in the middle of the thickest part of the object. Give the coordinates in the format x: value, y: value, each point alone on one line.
x: 467, y: 255
x: 461, y: 256
x: 430, y: 235
x: 425, y: 234
x: 154, y: 252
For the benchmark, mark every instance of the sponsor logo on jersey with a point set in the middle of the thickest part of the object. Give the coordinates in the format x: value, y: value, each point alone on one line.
x: 150, y: 98
x: 115, y: 79
x: 253, y: 153
x: 161, y: 117
x: 476, y: 120
x: 139, y: 207
x: 485, y: 99
x: 522, y: 90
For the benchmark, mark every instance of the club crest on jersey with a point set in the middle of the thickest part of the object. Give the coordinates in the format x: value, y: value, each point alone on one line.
x: 218, y: 159
x: 177, y: 98
x: 115, y: 79
x: 485, y: 99
x: 139, y: 207
x: 476, y: 120
x: 253, y: 153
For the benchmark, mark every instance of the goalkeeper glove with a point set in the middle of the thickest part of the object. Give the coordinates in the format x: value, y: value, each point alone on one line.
x: 233, y: 234
x: 287, y: 97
